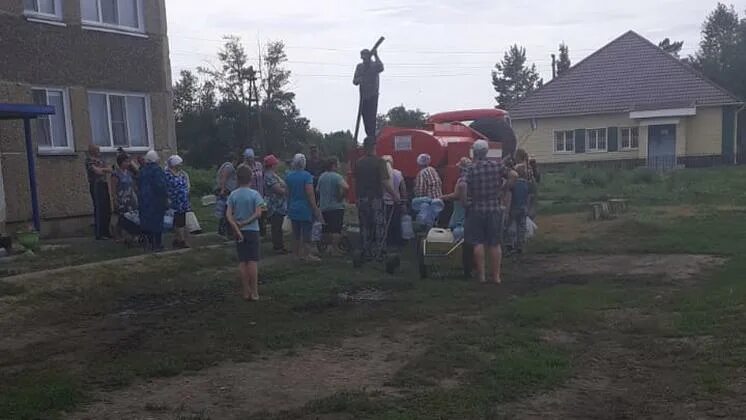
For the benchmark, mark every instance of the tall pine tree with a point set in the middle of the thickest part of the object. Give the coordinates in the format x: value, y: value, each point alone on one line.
x: 513, y: 79
x: 722, y: 47
x: 564, y: 63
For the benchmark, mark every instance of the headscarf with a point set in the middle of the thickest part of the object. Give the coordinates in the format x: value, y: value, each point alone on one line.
x: 481, y: 147
x: 174, y: 161
x: 424, y: 159
x: 299, y: 162
x: 152, y: 157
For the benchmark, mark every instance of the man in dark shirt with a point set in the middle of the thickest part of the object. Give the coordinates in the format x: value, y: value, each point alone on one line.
x: 314, y: 165
x: 367, y: 77
x: 371, y: 180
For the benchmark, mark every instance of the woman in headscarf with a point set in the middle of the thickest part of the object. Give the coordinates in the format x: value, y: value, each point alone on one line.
x: 427, y: 183
x: 153, y: 200
x: 302, y: 208
x: 275, y: 192
x: 178, y: 197
x: 125, y: 195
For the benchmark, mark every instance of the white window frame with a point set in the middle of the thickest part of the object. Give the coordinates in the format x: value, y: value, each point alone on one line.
x: 58, y: 150
x: 148, y: 120
x: 588, y: 148
x: 33, y: 15
x: 564, y: 143
x: 621, y: 137
x: 100, y: 25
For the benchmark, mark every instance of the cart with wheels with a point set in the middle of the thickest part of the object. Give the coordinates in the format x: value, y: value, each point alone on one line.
x: 437, y: 245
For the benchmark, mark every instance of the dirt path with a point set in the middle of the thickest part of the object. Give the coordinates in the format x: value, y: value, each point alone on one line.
x: 235, y: 390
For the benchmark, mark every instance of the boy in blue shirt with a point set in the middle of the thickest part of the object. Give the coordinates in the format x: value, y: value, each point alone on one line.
x: 245, y: 207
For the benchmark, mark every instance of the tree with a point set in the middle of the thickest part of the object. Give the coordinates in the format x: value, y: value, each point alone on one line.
x: 564, y: 63
x: 402, y: 117
x: 277, y: 78
x: 233, y: 77
x: 718, y: 54
x: 512, y: 79
x: 186, y: 92
x: 673, y: 48
x: 338, y: 143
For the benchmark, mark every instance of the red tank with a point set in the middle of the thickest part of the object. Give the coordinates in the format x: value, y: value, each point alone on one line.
x: 446, y: 139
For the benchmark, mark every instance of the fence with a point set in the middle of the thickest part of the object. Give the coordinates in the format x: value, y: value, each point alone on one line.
x: 658, y: 163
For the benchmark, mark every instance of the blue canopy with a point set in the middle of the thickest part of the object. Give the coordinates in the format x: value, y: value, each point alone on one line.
x: 24, y: 111
x: 28, y: 112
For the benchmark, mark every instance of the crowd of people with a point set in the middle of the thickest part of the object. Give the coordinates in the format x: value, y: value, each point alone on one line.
x: 140, y: 193
x: 491, y: 202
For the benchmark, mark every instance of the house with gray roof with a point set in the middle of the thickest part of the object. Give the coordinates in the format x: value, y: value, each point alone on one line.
x: 630, y: 100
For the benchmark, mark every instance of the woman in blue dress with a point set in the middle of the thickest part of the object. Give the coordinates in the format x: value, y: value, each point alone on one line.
x: 178, y: 197
x: 153, y: 200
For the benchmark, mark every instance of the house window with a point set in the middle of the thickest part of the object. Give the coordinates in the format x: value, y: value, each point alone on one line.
x: 46, y: 9
x: 53, y: 133
x: 596, y: 140
x: 117, y: 14
x: 564, y: 141
x: 120, y: 120
x: 630, y: 138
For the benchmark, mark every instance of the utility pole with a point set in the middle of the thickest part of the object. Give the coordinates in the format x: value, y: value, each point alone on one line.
x: 254, y: 99
x: 554, y: 66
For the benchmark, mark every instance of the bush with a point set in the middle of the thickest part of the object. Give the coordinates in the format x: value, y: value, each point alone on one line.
x: 645, y: 176
x: 594, y: 178
x: 202, y: 180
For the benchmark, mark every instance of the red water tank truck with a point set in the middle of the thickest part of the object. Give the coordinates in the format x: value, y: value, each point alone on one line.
x: 447, y: 137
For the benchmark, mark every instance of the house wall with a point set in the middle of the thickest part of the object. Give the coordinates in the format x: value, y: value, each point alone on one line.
x: 705, y: 132
x: 695, y: 136
x: 540, y: 142
x: 78, y: 60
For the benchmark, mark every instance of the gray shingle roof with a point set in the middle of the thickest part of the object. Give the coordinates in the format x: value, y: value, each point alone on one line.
x: 630, y: 73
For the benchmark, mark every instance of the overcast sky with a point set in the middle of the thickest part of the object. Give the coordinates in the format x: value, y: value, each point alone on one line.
x: 438, y: 53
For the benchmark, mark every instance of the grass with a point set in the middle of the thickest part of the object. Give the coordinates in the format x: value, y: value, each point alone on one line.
x: 481, y: 348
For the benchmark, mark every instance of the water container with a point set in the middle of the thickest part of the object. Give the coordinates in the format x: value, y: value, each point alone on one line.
x: 407, y: 230
x: 316, y: 231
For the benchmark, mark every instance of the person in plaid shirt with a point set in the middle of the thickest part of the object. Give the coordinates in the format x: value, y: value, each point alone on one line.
x: 427, y: 183
x: 485, y: 183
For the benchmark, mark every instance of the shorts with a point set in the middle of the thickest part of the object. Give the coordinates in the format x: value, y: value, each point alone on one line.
x: 302, y: 230
x: 484, y: 228
x: 333, y: 221
x: 248, y: 249
x: 179, y: 220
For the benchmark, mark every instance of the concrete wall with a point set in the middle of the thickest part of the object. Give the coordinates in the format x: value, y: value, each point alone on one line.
x: 78, y: 60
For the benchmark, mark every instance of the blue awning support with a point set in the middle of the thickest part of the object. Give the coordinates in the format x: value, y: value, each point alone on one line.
x: 28, y: 112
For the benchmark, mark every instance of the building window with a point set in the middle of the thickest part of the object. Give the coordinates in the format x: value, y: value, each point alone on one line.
x: 596, y: 140
x: 630, y: 137
x: 116, y: 14
x: 564, y: 141
x: 120, y: 120
x: 53, y: 133
x: 46, y: 9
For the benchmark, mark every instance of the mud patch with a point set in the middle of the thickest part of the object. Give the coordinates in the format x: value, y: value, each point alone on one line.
x: 277, y: 382
x: 664, y: 267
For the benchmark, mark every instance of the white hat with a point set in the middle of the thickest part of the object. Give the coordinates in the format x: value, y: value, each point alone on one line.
x: 481, y: 145
x: 248, y: 153
x: 174, y: 161
x: 299, y: 161
x: 152, y: 157
x: 423, y: 159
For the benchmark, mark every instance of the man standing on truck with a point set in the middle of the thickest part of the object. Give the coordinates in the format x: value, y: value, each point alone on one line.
x: 371, y: 180
x: 367, y: 77
x: 485, y: 183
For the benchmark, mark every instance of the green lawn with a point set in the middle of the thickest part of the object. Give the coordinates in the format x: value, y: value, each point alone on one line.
x: 553, y: 341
